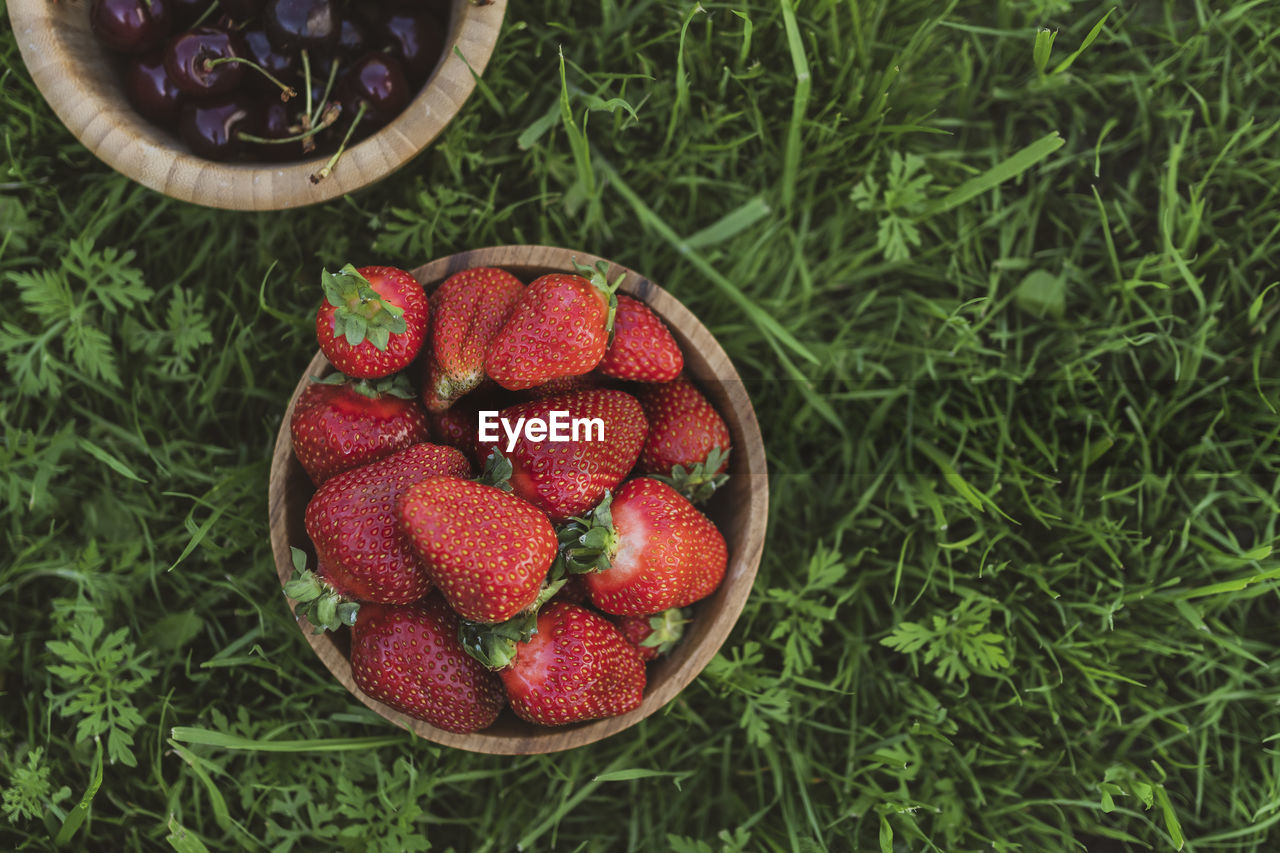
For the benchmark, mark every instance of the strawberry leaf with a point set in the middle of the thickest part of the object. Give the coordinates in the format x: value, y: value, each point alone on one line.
x: 588, y: 544
x: 494, y: 645
x: 360, y: 313
x: 319, y: 602
x: 599, y: 276
x: 668, y: 628
x: 698, y: 482
x: 497, y: 471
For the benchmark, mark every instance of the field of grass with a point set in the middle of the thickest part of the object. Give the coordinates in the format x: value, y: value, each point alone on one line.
x: 1005, y: 310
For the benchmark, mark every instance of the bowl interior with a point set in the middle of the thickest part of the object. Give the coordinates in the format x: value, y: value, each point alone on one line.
x: 738, y: 509
x: 80, y: 80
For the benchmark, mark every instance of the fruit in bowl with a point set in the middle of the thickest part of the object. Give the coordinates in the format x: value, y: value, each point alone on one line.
x: 246, y: 149
x: 339, y: 71
x: 551, y: 555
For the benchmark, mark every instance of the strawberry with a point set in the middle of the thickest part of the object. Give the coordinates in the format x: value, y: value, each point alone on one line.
x: 559, y: 385
x: 487, y: 550
x: 468, y: 310
x: 351, y: 520
x: 645, y: 550
x: 653, y: 636
x: 574, y: 590
x: 373, y: 320
x: 567, y: 478
x: 337, y: 427
x: 688, y: 444
x: 560, y: 327
x: 643, y: 349
x: 409, y: 657
x: 456, y: 427
x: 577, y: 666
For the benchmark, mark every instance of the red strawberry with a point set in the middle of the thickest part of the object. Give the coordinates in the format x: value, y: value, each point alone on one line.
x: 468, y: 310
x: 653, y: 636
x: 643, y: 349
x: 560, y: 385
x: 577, y: 666
x: 657, y: 551
x: 351, y: 520
x: 409, y: 657
x: 560, y: 327
x: 373, y: 320
x: 487, y: 550
x: 567, y: 478
x: 456, y: 427
x: 574, y: 590
x: 688, y: 444
x: 336, y: 427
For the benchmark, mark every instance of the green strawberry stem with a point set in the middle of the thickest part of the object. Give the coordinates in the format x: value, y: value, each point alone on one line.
x: 587, y: 544
x: 599, y: 276
x: 698, y: 482
x: 394, y: 386
x: 494, y: 645
x: 361, y: 314
x: 668, y: 628
x: 497, y: 471
x: 323, y: 606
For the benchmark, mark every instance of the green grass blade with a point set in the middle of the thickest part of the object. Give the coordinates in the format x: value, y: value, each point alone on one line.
x: 799, y: 103
x: 1006, y: 170
x: 1088, y: 40
x: 222, y: 740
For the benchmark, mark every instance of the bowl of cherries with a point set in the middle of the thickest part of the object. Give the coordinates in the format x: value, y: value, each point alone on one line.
x: 256, y: 104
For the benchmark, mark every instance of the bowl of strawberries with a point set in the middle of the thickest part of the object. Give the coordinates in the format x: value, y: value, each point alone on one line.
x: 518, y: 499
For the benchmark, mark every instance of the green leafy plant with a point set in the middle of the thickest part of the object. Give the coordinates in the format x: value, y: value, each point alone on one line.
x: 99, y: 675
x: 959, y: 644
x: 902, y: 199
x: 69, y: 305
x: 30, y: 792
x: 805, y: 610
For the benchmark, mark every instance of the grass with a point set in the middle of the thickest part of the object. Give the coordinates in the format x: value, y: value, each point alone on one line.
x: 1009, y: 327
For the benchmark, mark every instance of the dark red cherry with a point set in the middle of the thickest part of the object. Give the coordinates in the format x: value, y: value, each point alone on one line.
x: 132, y: 26
x: 281, y: 65
x: 301, y: 24
x: 149, y: 88
x: 242, y: 10
x: 377, y: 82
x: 276, y: 120
x: 211, y: 127
x: 204, y: 62
x: 417, y: 38
x: 353, y: 38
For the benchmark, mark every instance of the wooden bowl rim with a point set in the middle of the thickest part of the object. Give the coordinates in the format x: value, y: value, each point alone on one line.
x: 143, y: 152
x: 748, y: 467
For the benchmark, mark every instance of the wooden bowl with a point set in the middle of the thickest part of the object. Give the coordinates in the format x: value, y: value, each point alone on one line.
x: 79, y: 79
x: 739, y: 509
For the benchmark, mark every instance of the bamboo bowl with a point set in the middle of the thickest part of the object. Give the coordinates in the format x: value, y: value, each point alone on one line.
x: 77, y: 76
x: 739, y: 509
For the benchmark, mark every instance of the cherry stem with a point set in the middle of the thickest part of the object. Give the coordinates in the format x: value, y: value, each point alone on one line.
x: 326, y: 119
x: 204, y: 16
x: 328, y: 87
x: 328, y: 167
x: 306, y: 81
x: 286, y: 91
